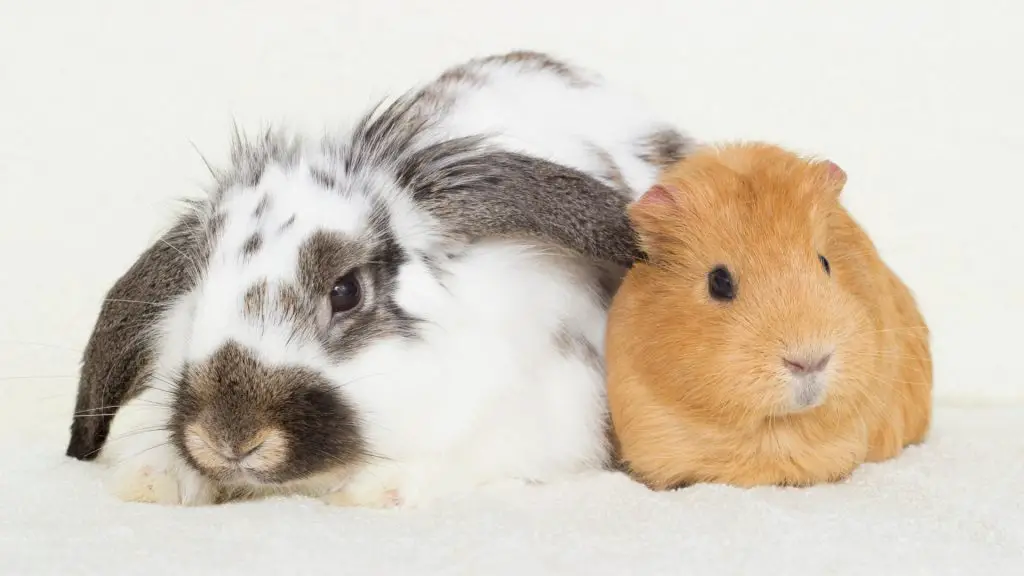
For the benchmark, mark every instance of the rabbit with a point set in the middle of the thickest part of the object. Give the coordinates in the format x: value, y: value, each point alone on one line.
x: 399, y: 312
x: 763, y: 341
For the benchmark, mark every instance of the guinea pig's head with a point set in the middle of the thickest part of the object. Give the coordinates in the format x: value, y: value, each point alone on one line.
x: 298, y: 284
x: 745, y: 294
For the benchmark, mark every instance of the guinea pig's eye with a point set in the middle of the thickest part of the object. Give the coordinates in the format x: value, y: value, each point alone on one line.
x: 346, y: 293
x: 825, y: 264
x: 720, y: 284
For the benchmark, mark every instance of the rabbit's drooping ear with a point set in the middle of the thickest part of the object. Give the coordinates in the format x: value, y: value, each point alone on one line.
x: 480, y: 193
x: 119, y: 354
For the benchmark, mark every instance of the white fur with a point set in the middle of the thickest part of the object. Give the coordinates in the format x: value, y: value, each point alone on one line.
x: 144, y: 464
x: 485, y: 394
x: 536, y: 113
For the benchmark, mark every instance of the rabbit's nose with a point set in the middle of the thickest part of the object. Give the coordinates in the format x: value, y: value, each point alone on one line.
x: 258, y: 452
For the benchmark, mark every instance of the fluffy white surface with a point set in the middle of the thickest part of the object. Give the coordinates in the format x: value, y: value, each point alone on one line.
x: 952, y: 506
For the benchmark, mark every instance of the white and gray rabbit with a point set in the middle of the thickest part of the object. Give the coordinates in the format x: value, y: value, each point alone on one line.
x: 405, y: 311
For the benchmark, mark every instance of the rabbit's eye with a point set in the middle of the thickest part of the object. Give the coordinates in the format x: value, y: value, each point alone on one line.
x: 720, y: 284
x: 346, y: 293
x: 825, y: 264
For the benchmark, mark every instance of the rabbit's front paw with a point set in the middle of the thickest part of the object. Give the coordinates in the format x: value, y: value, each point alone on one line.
x: 147, y: 484
x: 367, y: 499
x: 155, y: 474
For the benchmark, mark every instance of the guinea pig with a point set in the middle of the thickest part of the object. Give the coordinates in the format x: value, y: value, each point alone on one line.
x: 763, y: 341
x: 390, y: 315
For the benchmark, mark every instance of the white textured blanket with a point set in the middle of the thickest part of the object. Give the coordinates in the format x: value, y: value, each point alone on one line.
x: 952, y: 506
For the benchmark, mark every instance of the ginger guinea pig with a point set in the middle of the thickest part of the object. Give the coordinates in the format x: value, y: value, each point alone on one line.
x: 763, y: 340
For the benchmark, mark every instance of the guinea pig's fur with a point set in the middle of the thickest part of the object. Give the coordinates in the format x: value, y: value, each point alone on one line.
x: 764, y: 341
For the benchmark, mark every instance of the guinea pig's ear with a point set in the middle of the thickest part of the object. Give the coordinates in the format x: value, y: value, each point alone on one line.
x: 656, y: 217
x: 833, y: 177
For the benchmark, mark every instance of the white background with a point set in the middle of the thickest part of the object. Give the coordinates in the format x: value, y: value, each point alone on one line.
x: 920, y: 101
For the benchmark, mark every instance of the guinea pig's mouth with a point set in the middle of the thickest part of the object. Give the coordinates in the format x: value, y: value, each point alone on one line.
x: 807, y: 393
x: 807, y: 379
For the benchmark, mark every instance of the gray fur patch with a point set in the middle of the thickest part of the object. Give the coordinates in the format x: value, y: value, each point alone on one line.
x: 611, y: 171
x: 298, y: 308
x: 663, y: 148
x: 436, y: 98
x: 607, y: 279
x: 539, y: 61
x: 482, y: 193
x: 215, y: 226
x: 326, y: 257
x: 252, y: 245
x: 286, y: 224
x: 261, y: 207
x: 323, y: 178
x: 462, y: 75
x: 573, y: 344
x: 288, y: 304
x: 435, y: 266
x: 254, y: 303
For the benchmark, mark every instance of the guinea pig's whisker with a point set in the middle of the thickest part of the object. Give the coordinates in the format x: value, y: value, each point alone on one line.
x: 893, y: 355
x: 907, y: 382
x: 860, y: 252
x: 875, y: 402
x: 896, y: 329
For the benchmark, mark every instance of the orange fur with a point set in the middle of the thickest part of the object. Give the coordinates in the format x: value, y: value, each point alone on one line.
x: 698, y: 388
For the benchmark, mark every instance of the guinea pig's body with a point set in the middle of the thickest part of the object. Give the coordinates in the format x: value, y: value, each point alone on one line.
x: 399, y: 313
x: 764, y: 341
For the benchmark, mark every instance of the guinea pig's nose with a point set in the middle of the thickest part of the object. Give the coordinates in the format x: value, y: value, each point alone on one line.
x: 807, y: 363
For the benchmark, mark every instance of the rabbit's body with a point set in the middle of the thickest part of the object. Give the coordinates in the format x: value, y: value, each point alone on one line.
x: 409, y: 310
